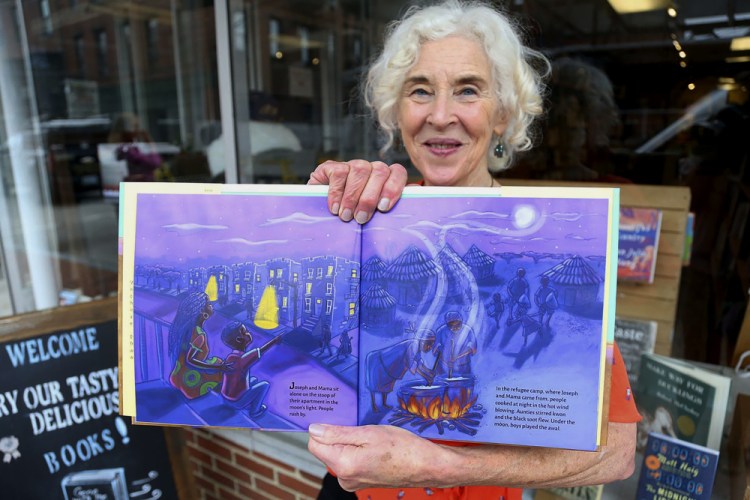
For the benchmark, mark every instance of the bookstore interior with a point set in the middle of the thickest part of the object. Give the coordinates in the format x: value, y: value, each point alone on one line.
x: 646, y: 100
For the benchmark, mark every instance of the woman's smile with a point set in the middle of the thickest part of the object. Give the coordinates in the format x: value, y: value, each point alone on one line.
x: 448, y: 113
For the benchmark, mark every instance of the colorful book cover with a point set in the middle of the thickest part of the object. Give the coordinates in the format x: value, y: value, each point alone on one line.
x: 676, y: 469
x: 634, y: 337
x: 687, y: 252
x: 681, y: 400
x: 463, y: 314
x: 639, y: 243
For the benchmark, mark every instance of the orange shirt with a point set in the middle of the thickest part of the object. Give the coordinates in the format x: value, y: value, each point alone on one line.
x: 621, y: 410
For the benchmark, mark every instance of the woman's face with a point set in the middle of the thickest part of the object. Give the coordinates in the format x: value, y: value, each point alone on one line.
x: 447, y: 113
x: 208, y: 309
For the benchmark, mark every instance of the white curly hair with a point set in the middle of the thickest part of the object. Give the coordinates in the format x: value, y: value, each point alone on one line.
x: 518, y: 84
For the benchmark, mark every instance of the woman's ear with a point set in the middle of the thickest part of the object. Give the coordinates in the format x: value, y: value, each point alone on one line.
x: 501, y: 124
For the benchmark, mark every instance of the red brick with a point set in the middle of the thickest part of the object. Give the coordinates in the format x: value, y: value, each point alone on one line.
x: 298, y: 486
x: 216, y: 476
x: 215, y: 448
x: 229, y: 444
x: 231, y: 470
x: 247, y: 491
x: 228, y: 494
x: 212, y: 496
x: 280, y: 465
x: 274, y: 491
x: 204, y: 484
x: 199, y: 455
x: 312, y: 478
x: 190, y: 436
x: 253, y: 466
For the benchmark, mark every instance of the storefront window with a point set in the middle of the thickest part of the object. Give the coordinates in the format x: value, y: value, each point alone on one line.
x: 94, y: 93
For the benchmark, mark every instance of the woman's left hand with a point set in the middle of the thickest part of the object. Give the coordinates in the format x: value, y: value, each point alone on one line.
x: 373, y: 456
x: 358, y: 187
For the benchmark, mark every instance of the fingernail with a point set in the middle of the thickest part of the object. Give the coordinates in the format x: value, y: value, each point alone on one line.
x: 383, y: 204
x: 335, y: 209
x: 362, y: 217
x: 346, y: 215
x: 316, y: 430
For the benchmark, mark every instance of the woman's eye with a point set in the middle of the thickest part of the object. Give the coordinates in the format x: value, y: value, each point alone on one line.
x: 420, y: 92
x: 468, y: 92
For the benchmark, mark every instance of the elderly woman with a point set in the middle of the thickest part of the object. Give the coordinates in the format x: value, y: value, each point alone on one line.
x: 456, y: 85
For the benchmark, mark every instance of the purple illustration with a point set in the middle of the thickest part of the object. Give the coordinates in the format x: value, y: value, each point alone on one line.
x: 246, y: 311
x: 465, y: 318
x: 482, y: 319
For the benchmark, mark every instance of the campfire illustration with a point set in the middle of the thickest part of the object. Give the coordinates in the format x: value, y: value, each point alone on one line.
x: 447, y: 403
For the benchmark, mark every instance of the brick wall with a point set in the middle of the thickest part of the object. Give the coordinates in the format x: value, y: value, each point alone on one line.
x: 222, y: 469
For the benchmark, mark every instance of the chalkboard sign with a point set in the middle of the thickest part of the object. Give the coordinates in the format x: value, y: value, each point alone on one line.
x: 60, y: 432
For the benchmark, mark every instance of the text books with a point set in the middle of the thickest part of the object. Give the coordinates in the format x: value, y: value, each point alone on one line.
x: 634, y: 337
x: 639, y: 243
x: 681, y: 400
x: 676, y: 469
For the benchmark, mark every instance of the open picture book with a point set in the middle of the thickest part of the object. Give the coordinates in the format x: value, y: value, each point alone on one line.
x: 467, y: 314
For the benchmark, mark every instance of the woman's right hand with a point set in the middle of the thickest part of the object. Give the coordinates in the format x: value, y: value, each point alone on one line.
x: 358, y: 187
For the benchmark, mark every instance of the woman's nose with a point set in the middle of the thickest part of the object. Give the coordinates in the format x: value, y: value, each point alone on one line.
x: 442, y: 112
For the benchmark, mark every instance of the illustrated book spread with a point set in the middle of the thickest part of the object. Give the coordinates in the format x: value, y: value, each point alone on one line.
x: 673, y: 469
x: 638, y: 243
x: 681, y: 400
x: 462, y: 314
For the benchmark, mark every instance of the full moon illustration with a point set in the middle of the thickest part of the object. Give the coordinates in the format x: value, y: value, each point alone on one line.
x: 524, y: 216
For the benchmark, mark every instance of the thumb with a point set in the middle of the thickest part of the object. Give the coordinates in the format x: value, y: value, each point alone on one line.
x: 333, y: 434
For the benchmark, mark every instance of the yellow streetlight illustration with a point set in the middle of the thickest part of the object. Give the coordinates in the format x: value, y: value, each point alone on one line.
x: 212, y: 289
x: 267, y: 314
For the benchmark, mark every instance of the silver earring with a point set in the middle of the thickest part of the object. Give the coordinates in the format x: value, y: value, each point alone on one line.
x: 499, y: 150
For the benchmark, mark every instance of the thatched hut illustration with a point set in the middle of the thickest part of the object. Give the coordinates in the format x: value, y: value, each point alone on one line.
x: 455, y: 270
x: 378, y: 307
x: 410, y: 276
x: 480, y: 263
x: 374, y: 270
x: 576, y: 282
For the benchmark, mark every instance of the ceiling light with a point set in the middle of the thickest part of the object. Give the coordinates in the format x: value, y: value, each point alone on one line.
x: 682, y: 54
x: 739, y: 59
x: 740, y: 43
x: 631, y: 6
x: 279, y: 54
x: 672, y: 12
x: 677, y: 45
x: 683, y: 64
x: 691, y: 86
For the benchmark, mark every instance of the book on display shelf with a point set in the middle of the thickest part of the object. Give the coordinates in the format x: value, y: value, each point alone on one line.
x: 638, y: 244
x: 681, y: 400
x: 676, y: 469
x: 634, y: 337
x: 468, y: 314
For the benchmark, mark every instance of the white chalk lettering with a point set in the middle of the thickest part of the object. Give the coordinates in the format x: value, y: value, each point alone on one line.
x: 54, y: 347
x: 8, y: 398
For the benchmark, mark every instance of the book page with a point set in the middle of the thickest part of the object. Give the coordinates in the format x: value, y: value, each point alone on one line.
x: 242, y: 306
x: 486, y: 314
